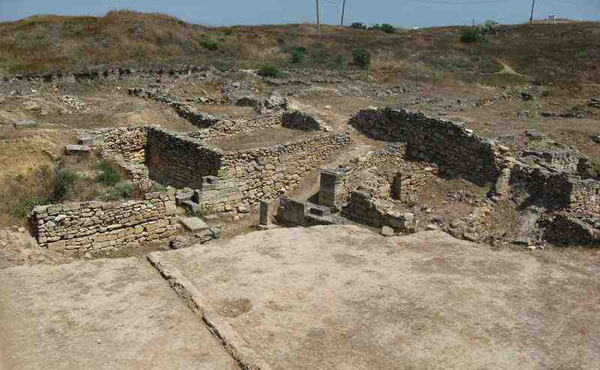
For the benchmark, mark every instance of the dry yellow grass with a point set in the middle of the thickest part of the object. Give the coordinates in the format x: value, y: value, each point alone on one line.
x: 564, y: 53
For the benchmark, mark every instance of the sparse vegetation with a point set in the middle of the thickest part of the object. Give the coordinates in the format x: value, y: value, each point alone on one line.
x: 271, y: 71
x: 298, y: 54
x: 358, y: 26
x: 63, y: 183
x: 470, y: 35
x: 107, y: 174
x: 361, y: 57
x: 564, y: 52
x: 386, y: 27
x: 121, y: 190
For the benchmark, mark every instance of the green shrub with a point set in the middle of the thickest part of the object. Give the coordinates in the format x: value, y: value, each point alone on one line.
x: 298, y: 54
x: 209, y: 45
x: 63, y: 184
x: 361, y: 57
x: 271, y: 71
x: 358, y: 26
x: 470, y: 34
x: 108, y: 176
x: 488, y: 28
x: 388, y: 28
x: 122, y: 190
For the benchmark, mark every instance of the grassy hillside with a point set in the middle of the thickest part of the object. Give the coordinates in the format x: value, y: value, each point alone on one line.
x: 545, y: 53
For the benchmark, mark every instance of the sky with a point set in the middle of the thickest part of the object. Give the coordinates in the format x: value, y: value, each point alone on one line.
x: 401, y: 13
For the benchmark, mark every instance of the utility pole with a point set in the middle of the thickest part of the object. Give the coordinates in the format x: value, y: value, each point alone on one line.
x: 343, y: 10
x: 532, y: 6
x: 318, y: 19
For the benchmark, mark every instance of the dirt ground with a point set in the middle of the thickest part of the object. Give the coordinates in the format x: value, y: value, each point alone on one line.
x: 341, y: 297
x: 103, y: 314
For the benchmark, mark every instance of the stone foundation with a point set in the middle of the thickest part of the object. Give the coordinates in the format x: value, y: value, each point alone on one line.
x: 105, y: 226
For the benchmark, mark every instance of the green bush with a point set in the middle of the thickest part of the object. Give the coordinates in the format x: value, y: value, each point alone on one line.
x: 209, y: 45
x: 271, y: 71
x: 358, y: 26
x: 471, y: 34
x: 122, y: 190
x: 388, y: 28
x: 298, y: 54
x: 488, y: 28
x: 63, y: 184
x: 361, y: 57
x: 108, y: 176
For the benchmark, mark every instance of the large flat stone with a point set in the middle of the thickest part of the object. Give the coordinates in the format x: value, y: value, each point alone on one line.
x: 342, y: 297
x: 103, y: 314
x: 73, y: 149
x: 193, y: 224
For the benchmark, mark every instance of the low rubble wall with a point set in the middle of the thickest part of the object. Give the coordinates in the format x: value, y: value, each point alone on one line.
x: 449, y: 145
x: 127, y: 142
x: 557, y: 189
x: 566, y: 229
x: 105, y: 226
x: 362, y: 208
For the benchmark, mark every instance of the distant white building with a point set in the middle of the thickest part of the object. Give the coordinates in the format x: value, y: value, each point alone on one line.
x: 552, y: 18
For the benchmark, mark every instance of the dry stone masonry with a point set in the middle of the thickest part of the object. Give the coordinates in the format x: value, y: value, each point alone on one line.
x: 450, y: 145
x: 105, y: 226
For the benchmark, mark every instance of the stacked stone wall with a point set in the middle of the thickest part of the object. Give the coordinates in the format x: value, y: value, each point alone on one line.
x: 179, y: 160
x: 105, y: 226
x: 264, y: 172
x: 126, y: 142
x: 449, y: 145
x: 560, y: 190
x: 361, y: 207
x: 230, y: 127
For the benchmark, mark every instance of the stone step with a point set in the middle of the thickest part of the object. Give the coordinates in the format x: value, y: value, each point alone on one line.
x: 191, y: 206
x: 25, y: 124
x: 193, y: 224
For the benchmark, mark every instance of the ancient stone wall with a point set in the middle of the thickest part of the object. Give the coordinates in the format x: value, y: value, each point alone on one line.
x: 298, y: 120
x: 179, y: 160
x: 126, y: 142
x: 449, y: 145
x: 558, y: 190
x: 566, y: 229
x: 361, y: 207
x: 229, y: 127
x: 105, y: 226
x: 264, y: 172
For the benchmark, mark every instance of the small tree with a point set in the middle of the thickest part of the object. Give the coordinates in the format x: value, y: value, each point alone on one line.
x: 471, y: 34
x: 358, y: 26
x: 361, y: 57
x: 388, y: 28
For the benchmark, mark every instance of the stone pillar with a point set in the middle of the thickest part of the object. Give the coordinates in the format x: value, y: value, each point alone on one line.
x: 264, y: 214
x: 396, y: 191
x: 331, y: 187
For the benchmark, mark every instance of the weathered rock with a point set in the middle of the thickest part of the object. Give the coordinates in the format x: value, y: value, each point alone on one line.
x: 28, y: 123
x: 387, y: 231
x: 193, y: 224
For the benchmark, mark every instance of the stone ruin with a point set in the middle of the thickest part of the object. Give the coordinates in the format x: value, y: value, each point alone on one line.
x: 558, y: 200
x: 420, y: 149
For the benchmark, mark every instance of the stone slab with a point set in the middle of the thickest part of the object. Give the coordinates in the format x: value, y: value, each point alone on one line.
x: 25, y: 124
x: 102, y: 314
x: 193, y: 224
x: 342, y: 297
x: 73, y: 149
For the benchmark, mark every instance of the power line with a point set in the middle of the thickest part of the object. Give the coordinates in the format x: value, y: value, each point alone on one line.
x: 343, y: 11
